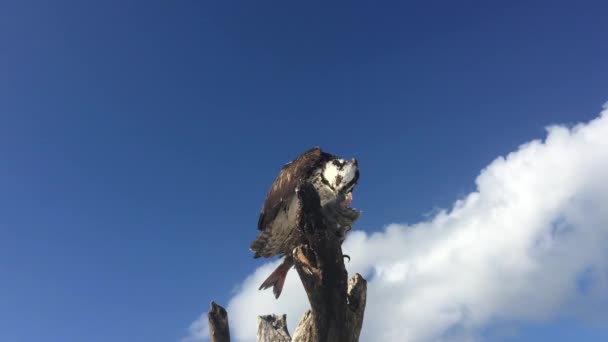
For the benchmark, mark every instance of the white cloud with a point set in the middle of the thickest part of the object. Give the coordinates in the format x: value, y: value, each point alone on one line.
x: 198, y: 330
x: 528, y: 244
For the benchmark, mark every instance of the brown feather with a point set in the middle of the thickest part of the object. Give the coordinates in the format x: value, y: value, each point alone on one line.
x: 284, y: 186
x: 273, y: 240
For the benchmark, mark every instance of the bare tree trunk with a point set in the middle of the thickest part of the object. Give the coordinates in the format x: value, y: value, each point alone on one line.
x: 337, y: 307
x: 357, y: 289
x: 320, y: 264
x: 218, y: 324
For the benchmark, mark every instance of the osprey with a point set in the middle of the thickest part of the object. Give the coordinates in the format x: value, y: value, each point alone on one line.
x: 334, y: 180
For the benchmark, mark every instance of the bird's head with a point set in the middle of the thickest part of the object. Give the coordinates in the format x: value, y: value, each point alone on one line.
x: 341, y: 175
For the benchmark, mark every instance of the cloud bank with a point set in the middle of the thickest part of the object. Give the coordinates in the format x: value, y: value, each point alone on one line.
x: 530, y: 244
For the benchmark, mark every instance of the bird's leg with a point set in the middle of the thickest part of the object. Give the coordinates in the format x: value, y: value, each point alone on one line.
x: 304, y: 262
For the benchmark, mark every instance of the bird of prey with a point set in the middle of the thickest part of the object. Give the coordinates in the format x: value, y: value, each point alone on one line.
x: 334, y: 180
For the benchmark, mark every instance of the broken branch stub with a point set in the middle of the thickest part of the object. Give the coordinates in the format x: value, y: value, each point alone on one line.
x: 273, y: 328
x: 219, y: 330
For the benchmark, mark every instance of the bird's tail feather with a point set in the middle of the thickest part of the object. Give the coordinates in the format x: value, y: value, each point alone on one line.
x: 276, y: 279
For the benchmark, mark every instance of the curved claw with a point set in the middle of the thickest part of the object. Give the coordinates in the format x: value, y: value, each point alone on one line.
x: 346, y: 256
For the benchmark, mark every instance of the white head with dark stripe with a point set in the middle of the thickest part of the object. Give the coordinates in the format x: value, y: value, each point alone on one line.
x: 336, y: 177
x: 341, y: 175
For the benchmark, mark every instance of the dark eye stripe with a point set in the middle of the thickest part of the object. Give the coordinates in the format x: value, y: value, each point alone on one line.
x: 338, y: 163
x: 353, y: 181
x: 324, y: 181
x: 350, y: 184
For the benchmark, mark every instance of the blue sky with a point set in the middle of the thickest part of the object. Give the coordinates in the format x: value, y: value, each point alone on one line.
x: 138, y: 139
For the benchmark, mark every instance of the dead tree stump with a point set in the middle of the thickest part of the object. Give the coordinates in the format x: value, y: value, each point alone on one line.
x: 320, y: 265
x: 357, y: 289
x: 336, y: 306
x: 218, y: 324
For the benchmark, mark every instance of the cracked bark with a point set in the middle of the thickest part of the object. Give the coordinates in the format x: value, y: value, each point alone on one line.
x: 273, y: 328
x: 218, y: 324
x: 337, y: 306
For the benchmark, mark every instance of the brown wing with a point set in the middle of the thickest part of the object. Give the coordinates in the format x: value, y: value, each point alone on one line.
x: 284, y: 186
x: 278, y: 198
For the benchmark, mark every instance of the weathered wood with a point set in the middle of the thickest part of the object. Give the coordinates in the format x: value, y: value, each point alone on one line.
x: 272, y: 328
x: 337, y: 307
x: 320, y: 264
x: 357, y: 297
x: 305, y: 330
x: 219, y: 330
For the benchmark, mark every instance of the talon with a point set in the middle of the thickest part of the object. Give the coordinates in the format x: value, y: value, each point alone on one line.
x: 346, y: 257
